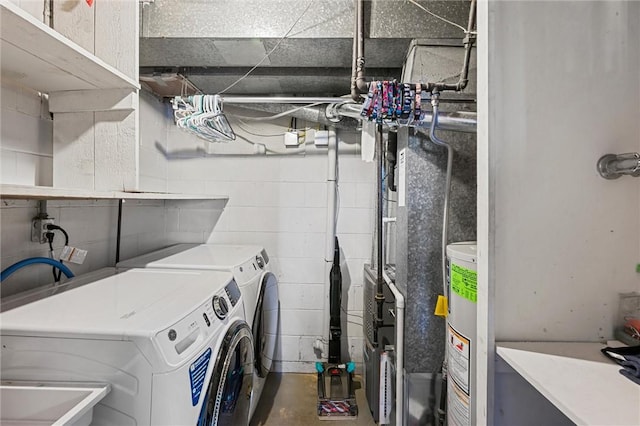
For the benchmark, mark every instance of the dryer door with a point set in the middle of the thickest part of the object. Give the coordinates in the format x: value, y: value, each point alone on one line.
x: 265, y: 323
x: 228, y: 397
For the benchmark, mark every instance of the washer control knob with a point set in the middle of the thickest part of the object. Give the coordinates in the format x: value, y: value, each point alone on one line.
x: 260, y: 261
x: 172, y: 335
x: 220, y: 307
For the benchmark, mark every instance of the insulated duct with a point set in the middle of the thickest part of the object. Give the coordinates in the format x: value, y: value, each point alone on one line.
x: 316, y: 114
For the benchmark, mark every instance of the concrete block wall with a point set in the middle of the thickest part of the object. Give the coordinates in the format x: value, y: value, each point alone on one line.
x: 92, y: 224
x: 280, y: 202
x: 153, y: 129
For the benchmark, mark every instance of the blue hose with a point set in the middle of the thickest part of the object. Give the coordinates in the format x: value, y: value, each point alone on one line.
x: 32, y: 260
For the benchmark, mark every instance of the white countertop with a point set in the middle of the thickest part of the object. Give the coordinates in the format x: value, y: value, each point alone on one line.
x: 578, y: 379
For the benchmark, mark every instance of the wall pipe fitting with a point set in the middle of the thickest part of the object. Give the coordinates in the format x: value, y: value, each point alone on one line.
x: 612, y: 166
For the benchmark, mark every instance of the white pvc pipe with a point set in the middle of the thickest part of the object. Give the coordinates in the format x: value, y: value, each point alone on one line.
x: 330, y: 232
x: 399, y: 349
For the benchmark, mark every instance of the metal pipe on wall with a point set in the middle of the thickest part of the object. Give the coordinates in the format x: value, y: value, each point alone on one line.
x: 358, y: 83
x: 379, y: 226
x: 468, y: 44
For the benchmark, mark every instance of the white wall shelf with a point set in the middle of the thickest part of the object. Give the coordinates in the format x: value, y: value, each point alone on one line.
x: 578, y: 379
x: 39, y: 57
x: 50, y: 193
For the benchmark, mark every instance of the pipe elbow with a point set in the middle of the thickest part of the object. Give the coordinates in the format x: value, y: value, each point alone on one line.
x: 462, y: 85
x: 355, y: 93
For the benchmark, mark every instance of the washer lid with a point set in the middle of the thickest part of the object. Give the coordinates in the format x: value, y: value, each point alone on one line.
x: 136, y: 302
x: 194, y: 256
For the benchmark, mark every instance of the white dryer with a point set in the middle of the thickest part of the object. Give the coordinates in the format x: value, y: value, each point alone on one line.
x: 251, y: 269
x: 173, y: 344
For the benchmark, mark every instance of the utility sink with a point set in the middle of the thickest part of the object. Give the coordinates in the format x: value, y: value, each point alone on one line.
x: 32, y: 403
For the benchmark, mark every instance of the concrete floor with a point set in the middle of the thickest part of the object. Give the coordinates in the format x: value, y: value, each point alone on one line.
x: 290, y: 399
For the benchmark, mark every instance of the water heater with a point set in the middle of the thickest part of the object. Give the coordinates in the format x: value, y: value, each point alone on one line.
x: 461, y: 333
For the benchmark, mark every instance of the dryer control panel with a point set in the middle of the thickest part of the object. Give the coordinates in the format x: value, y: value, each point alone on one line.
x: 233, y: 292
x: 247, y: 271
x: 178, y: 342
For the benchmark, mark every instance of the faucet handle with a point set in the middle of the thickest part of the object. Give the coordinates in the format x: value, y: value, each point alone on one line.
x: 612, y: 166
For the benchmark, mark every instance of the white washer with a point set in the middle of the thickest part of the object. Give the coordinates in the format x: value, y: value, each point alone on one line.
x: 251, y: 270
x: 173, y: 344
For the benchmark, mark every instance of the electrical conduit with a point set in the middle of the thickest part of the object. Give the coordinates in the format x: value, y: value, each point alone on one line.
x: 34, y: 260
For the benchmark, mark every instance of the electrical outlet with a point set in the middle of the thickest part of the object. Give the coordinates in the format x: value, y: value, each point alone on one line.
x: 39, y: 229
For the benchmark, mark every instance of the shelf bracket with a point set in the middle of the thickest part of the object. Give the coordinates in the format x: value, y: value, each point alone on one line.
x: 92, y: 100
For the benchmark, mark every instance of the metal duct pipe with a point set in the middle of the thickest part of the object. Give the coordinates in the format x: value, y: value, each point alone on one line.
x: 459, y: 121
x: 315, y: 114
x: 358, y: 83
x: 346, y: 115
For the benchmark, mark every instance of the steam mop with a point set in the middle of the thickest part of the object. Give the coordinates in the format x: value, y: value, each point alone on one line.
x: 336, y: 393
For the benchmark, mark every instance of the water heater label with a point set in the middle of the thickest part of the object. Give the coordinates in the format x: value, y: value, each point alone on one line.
x: 459, y: 351
x: 458, y: 407
x: 197, y: 374
x: 464, y: 282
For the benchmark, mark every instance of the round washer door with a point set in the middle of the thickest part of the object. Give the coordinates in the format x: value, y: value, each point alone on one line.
x: 228, y: 397
x: 265, y: 324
